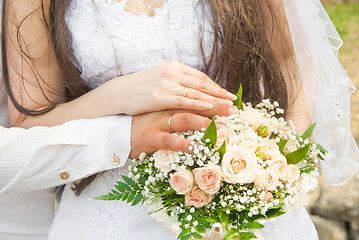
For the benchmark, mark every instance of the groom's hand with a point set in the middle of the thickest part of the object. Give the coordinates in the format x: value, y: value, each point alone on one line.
x: 153, y: 131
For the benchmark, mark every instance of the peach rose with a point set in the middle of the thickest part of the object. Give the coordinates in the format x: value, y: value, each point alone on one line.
x: 268, y: 196
x: 268, y: 147
x: 239, y: 165
x: 267, y: 180
x: 276, y: 163
x: 182, y: 182
x: 253, y: 117
x: 227, y: 134
x: 197, y: 198
x: 290, y: 173
x: 208, y: 178
x: 247, y: 139
x: 163, y: 159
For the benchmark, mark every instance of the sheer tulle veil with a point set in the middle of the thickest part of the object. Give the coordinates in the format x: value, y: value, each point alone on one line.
x: 327, y: 86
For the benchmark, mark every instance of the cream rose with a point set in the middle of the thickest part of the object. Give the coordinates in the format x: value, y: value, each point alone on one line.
x: 208, y: 178
x: 239, y: 165
x: 163, y: 159
x: 182, y: 182
x: 247, y: 139
x: 266, y: 180
x: 278, y: 162
x: 268, y: 147
x: 290, y: 173
x: 253, y: 117
x: 197, y: 198
x: 225, y: 134
x: 272, y: 125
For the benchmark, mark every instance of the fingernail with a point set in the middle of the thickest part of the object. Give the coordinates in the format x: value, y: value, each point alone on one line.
x: 206, y: 106
x: 233, y: 110
x: 231, y: 96
x: 229, y: 103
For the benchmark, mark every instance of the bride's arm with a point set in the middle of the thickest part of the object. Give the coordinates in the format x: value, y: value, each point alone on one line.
x: 36, y: 81
x: 282, y: 45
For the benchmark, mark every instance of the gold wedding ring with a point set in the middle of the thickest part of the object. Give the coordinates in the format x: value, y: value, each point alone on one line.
x: 169, y: 124
x: 185, y: 92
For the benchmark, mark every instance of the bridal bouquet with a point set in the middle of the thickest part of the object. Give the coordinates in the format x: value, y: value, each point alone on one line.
x: 254, y: 167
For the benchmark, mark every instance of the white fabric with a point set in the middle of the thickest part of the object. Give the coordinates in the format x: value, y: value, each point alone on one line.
x: 32, y: 160
x: 105, y: 36
x: 327, y: 86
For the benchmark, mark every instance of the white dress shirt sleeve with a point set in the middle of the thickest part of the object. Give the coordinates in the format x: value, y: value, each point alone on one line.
x: 42, y: 157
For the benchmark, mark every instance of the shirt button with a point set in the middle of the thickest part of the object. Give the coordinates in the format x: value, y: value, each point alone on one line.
x: 115, y: 160
x: 64, y: 175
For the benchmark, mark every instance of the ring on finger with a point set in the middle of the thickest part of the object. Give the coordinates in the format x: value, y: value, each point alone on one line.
x: 186, y: 92
x: 169, y: 124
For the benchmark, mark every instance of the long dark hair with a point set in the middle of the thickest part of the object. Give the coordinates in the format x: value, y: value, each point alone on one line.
x: 242, y: 53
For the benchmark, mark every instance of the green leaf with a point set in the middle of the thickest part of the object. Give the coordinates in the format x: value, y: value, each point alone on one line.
x: 130, y: 182
x: 109, y: 197
x: 247, y: 235
x: 309, y: 131
x: 184, y: 232
x: 197, y: 235
x: 222, y: 149
x: 307, y: 169
x: 251, y: 225
x: 122, y: 187
x: 272, y: 213
x: 281, y: 144
x: 137, y: 199
x: 125, y: 196
x: 231, y: 232
x: 298, y: 155
x: 223, y: 216
x: 262, y: 131
x: 186, y: 237
x: 131, y: 197
x: 320, y: 157
x: 238, y: 102
x: 321, y: 149
x: 211, y: 134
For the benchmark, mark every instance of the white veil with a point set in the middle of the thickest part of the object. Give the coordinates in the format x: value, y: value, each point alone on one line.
x: 327, y: 86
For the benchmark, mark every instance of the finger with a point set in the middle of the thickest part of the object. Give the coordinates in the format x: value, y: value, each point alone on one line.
x: 181, y: 122
x: 195, y: 94
x: 219, y: 109
x: 197, y: 74
x: 190, y: 71
x: 205, y: 87
x: 184, y: 103
x: 171, y: 142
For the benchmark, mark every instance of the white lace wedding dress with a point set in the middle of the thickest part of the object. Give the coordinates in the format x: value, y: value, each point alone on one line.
x: 110, y: 33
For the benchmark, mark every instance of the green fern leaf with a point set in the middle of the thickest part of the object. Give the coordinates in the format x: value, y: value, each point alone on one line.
x: 137, y: 199
x: 131, y: 197
x: 130, y: 182
x: 122, y: 187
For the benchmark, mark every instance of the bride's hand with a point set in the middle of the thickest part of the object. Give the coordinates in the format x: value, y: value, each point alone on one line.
x: 171, y: 85
x: 153, y: 131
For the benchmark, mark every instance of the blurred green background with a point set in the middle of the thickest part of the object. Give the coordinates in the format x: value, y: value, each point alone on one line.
x: 335, y: 210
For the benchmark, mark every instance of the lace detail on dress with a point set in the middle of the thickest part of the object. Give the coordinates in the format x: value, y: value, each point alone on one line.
x: 109, y: 41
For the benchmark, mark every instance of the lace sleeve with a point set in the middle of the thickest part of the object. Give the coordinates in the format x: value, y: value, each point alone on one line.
x: 327, y: 86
